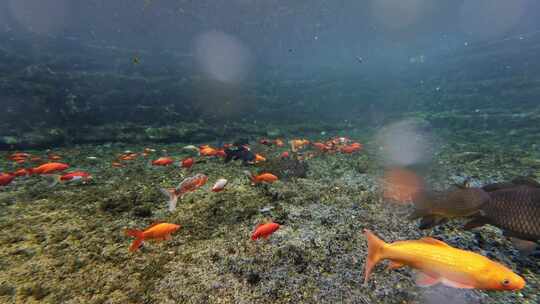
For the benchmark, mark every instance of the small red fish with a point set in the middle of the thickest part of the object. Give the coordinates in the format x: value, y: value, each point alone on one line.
x: 265, y: 141
x: 264, y: 230
x: 128, y: 156
x: 221, y: 153
x: 160, y: 231
x: 48, y: 168
x: 187, y: 185
x: 278, y: 142
x: 6, y: 178
x: 321, y: 147
x: 354, y: 147
x: 206, y: 150
x: 75, y: 175
x: 264, y: 177
x: 54, y: 157
x: 117, y: 165
x: 35, y: 159
x: 219, y: 185
x: 21, y: 172
x: 163, y: 161
x: 18, y: 155
x: 187, y: 163
x: 70, y: 177
x: 284, y: 155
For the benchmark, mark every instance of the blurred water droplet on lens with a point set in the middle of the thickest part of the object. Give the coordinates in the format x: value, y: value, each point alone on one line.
x: 222, y: 57
x: 404, y: 143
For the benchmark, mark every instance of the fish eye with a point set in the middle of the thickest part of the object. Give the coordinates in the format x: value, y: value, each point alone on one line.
x: 506, y: 282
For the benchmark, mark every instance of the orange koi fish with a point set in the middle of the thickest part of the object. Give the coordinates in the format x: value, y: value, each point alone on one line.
x: 259, y: 158
x: 297, y: 144
x: 264, y: 230
x: 438, y: 262
x: 163, y: 161
x: 264, y: 177
x: 48, y: 168
x: 160, y: 231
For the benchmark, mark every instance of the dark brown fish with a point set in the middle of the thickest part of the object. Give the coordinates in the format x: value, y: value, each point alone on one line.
x: 436, y: 207
x: 515, y: 210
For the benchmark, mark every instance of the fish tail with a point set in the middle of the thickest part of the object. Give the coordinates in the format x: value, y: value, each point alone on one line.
x: 139, y: 238
x: 375, y: 252
x: 172, y: 198
x: 53, y: 179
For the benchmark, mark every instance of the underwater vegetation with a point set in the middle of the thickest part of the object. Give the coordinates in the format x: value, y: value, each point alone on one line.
x: 66, y: 243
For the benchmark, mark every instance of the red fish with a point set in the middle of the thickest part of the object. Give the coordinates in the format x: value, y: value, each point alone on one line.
x: 265, y: 141
x: 221, y: 153
x: 21, y: 172
x: 264, y: 230
x: 160, y: 231
x: 278, y: 142
x: 54, y: 157
x: 163, y: 161
x: 18, y: 155
x: 187, y: 163
x: 187, y: 185
x: 354, y: 147
x: 284, y: 155
x: 117, y: 165
x: 206, y: 150
x: 70, y: 177
x: 264, y: 177
x: 6, y: 178
x: 48, y: 168
x: 321, y: 147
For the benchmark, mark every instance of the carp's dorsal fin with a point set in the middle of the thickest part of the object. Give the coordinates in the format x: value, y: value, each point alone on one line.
x: 432, y: 241
x: 526, y: 181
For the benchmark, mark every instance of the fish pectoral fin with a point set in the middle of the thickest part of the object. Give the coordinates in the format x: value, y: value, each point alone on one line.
x: 455, y: 284
x: 476, y: 222
x: 524, y: 246
x: 425, y: 280
x: 432, y: 241
x: 395, y: 265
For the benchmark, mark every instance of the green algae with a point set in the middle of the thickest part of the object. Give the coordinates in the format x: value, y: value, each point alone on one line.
x: 66, y: 244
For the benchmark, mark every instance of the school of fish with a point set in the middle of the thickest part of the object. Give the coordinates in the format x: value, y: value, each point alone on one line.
x: 513, y: 207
